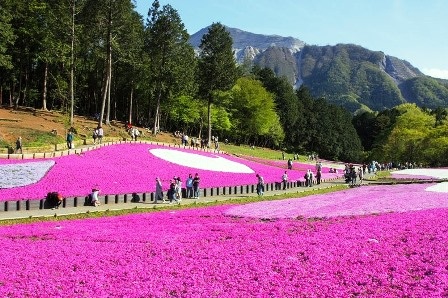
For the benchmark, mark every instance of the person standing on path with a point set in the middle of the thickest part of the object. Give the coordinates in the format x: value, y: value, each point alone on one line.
x: 318, y: 175
x: 189, y: 186
x: 100, y: 134
x: 178, y: 182
x: 159, y: 191
x: 69, y: 140
x: 196, y: 181
x: 95, y: 135
x: 260, y: 185
x: 19, y: 145
x: 172, y: 192
x: 285, y: 180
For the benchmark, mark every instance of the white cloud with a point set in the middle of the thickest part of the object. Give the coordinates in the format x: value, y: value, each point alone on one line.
x: 436, y: 73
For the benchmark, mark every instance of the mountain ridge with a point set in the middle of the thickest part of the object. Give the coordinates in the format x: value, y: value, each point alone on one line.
x: 345, y: 74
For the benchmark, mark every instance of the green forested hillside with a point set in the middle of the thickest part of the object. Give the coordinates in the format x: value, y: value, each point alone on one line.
x: 425, y: 92
x: 349, y: 76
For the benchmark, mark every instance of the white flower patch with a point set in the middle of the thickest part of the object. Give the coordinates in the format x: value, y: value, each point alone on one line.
x: 431, y: 173
x: 439, y: 187
x: 214, y: 163
x: 436, y: 173
x: 14, y: 175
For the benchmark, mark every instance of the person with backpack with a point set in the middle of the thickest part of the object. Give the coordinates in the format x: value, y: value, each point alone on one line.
x: 69, y: 140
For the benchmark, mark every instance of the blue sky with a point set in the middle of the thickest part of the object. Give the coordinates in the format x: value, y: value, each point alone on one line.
x: 413, y: 30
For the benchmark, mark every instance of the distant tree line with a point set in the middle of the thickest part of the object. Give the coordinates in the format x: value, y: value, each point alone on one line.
x: 405, y: 134
x: 101, y: 59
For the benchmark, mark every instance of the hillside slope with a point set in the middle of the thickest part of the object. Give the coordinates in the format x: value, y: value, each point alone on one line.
x: 37, y: 127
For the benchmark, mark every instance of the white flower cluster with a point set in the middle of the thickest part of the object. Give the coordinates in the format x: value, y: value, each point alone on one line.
x: 14, y: 175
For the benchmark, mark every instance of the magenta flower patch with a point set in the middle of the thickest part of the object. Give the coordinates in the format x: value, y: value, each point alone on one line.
x: 128, y: 168
x: 203, y: 253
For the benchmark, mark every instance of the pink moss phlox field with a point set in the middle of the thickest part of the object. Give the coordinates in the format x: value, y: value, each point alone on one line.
x: 203, y: 253
x: 129, y: 168
x: 296, y: 165
x: 355, y: 201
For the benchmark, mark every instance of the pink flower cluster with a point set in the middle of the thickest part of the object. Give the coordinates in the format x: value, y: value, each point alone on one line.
x: 356, y: 201
x: 128, y: 168
x: 203, y: 253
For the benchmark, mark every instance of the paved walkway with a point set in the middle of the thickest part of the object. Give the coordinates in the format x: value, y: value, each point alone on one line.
x: 13, y: 214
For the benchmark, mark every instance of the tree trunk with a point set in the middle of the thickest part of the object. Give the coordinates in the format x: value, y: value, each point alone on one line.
x: 109, y: 62
x: 11, y: 92
x: 103, y: 103
x: 130, y: 105
x: 157, y: 114
x: 72, y: 66
x: 109, y: 69
x: 209, y: 122
x: 107, y: 79
x: 44, y: 91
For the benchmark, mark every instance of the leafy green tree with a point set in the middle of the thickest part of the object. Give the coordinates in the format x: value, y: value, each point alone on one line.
x: 184, y: 112
x: 440, y: 114
x: 7, y: 36
x: 327, y: 129
x: 404, y: 143
x: 364, y: 125
x: 106, y: 23
x: 217, y: 66
x: 287, y: 106
x: 171, y: 59
x: 254, y: 117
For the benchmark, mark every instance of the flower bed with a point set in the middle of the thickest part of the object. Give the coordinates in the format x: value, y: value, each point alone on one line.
x: 355, y: 201
x: 203, y: 253
x: 129, y: 168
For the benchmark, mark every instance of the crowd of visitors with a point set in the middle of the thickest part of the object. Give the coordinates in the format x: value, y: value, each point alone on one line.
x: 175, y: 192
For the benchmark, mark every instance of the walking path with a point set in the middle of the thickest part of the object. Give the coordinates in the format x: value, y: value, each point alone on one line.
x: 67, y: 210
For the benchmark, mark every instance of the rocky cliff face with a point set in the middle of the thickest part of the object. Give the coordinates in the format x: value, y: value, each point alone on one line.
x: 345, y: 74
x: 248, y: 44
